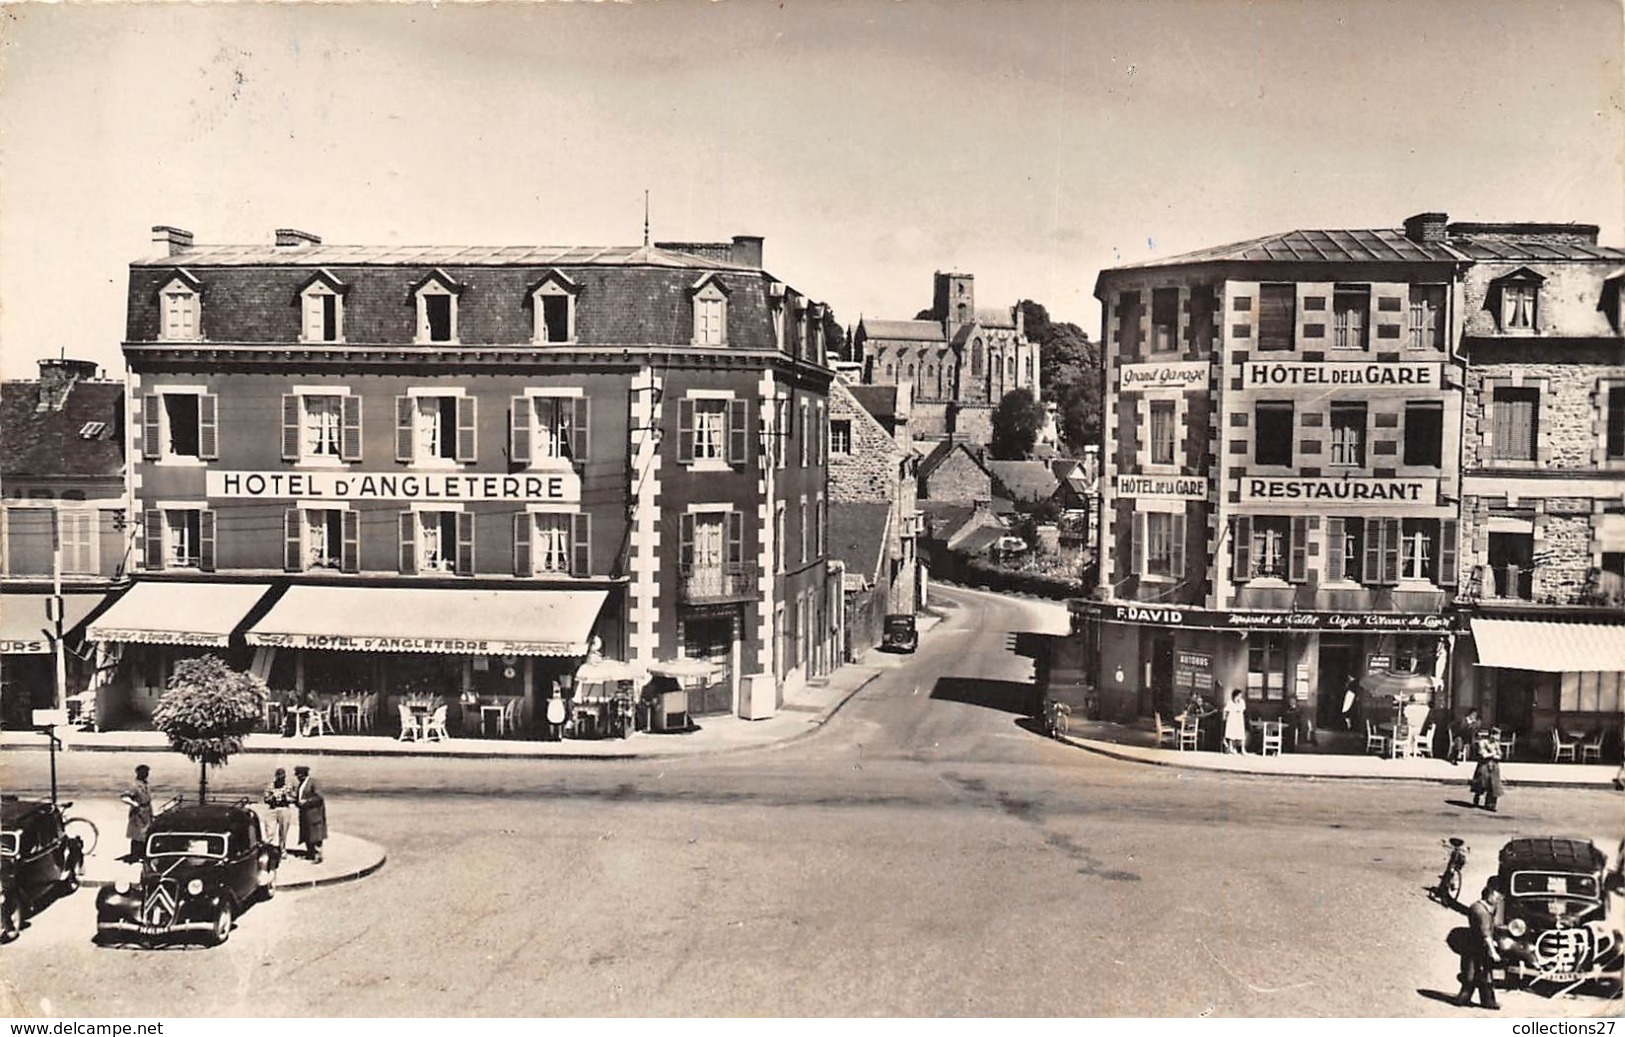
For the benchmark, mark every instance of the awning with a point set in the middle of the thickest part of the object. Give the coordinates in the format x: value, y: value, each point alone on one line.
x: 601, y: 671
x: 178, y: 613
x: 444, y: 621
x: 686, y: 668
x: 25, y: 628
x: 1519, y: 644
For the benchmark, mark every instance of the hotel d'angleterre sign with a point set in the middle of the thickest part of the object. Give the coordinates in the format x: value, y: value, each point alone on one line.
x: 562, y: 486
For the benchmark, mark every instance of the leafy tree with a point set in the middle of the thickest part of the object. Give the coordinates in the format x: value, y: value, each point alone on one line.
x: 1069, y: 370
x: 207, y: 711
x: 1016, y: 423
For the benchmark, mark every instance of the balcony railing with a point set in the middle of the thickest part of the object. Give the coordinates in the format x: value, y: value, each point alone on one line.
x: 1513, y: 581
x: 714, y: 583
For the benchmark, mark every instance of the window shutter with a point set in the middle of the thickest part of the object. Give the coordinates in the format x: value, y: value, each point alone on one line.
x: 1299, y: 562
x: 737, y: 423
x: 580, y: 544
x: 1390, y: 550
x: 465, y: 543
x: 736, y: 539
x: 350, y: 446
x: 208, y: 426
x: 1334, y: 549
x: 153, y: 538
x: 205, y: 540
x: 292, y: 542
x: 290, y: 426
x: 350, y: 559
x: 151, y: 446
x: 1178, y: 553
x: 1137, y: 542
x: 579, y: 443
x: 403, y: 428
x: 805, y: 433
x: 409, y: 543
x: 1447, y: 552
x: 685, y: 431
x: 685, y: 546
x: 781, y: 434
x: 1242, y: 548
x: 520, y: 421
x: 523, y: 523
x: 466, y: 410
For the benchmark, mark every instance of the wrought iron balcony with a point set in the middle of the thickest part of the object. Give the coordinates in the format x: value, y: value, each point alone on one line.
x: 709, y: 584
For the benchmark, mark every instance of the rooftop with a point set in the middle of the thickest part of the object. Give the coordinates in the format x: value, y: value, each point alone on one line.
x: 903, y: 330
x: 83, y: 438
x: 438, y: 255
x: 857, y: 535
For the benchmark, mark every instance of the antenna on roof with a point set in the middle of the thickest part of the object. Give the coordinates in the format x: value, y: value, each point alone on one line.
x: 645, y: 217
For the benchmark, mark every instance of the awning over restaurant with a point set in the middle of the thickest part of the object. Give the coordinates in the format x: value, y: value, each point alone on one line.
x: 178, y: 613
x: 25, y: 624
x: 1519, y: 644
x: 447, y: 621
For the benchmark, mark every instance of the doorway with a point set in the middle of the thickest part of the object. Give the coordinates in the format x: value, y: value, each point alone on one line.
x: 1339, y: 664
x: 711, y: 638
x: 1162, y: 675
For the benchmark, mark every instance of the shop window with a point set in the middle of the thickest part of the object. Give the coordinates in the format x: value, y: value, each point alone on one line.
x: 1162, y: 432
x: 180, y: 424
x: 1277, y: 316
x: 1614, y: 422
x: 1426, y: 326
x: 548, y: 430
x: 1517, y: 422
x: 840, y: 436
x: 711, y: 431
x: 1351, y: 305
x: 435, y: 429
x: 321, y: 427
x: 437, y: 542
x: 179, y: 538
x: 1266, y: 667
x: 1272, y: 433
x: 1348, y: 435
x: 1160, y: 545
x: 1165, y: 320
x: 553, y: 543
x: 321, y: 538
x: 1512, y: 565
x: 1424, y: 434
x: 1592, y: 692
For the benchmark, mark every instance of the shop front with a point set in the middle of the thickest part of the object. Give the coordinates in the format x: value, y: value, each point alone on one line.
x: 29, y: 632
x: 1542, y: 679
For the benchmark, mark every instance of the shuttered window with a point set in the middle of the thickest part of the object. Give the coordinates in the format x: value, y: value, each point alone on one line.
x: 1517, y: 422
x: 1277, y: 316
x: 1160, y: 550
x: 1614, y: 437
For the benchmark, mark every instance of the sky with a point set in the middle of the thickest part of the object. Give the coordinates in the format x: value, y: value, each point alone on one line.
x: 871, y: 142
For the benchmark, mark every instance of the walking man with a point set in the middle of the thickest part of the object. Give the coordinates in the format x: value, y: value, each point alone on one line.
x: 138, y: 798
x: 279, y: 799
x: 312, y: 814
x: 1479, y: 955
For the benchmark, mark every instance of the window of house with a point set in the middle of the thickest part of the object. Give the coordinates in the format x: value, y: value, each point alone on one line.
x: 79, y: 530
x: 1512, y: 564
x: 435, y: 429
x: 1272, y: 433
x: 710, y: 316
x: 548, y: 430
x: 778, y: 536
x: 1518, y: 301
x: 553, y: 306
x: 1271, y: 546
x: 552, y: 552
x: 1418, y: 549
x: 1592, y: 692
x: 1266, y: 666
x: 819, y: 524
x: 323, y: 313
x: 1614, y: 423
x: 1348, y: 435
x: 180, y: 425
x: 1426, y: 327
x: 1611, y: 578
x: 1163, y: 537
x: 1163, y: 435
x: 321, y: 538
x: 781, y: 425
x: 180, y: 417
x: 437, y: 309
x: 1165, y: 320
x: 552, y: 543
x: 806, y: 430
x: 183, y: 538
x: 437, y: 542
x: 1345, y: 547
x: 180, y: 312
x: 321, y: 426
x: 1350, y: 306
x: 1424, y: 433
x: 1517, y: 422
x: 840, y: 436
x: 1277, y: 316
x: 805, y: 539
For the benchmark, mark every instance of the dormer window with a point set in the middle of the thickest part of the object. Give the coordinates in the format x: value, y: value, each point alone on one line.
x: 437, y: 308
x: 322, y: 304
x: 180, y: 310
x: 1519, y: 294
x: 553, y: 303
x: 710, y: 312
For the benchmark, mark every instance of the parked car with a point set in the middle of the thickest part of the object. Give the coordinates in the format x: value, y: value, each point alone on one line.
x: 203, y: 866
x: 900, y: 634
x: 39, y: 861
x: 1554, y: 914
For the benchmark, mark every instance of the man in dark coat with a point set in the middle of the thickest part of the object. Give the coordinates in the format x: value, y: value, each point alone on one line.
x: 138, y: 798
x: 312, y: 813
x: 1476, y: 945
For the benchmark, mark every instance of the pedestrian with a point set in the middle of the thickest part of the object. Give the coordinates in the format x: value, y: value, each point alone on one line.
x: 138, y: 798
x: 1349, y: 698
x: 312, y: 813
x: 279, y: 798
x: 1476, y: 945
x: 1235, y: 723
x: 1486, y: 783
x: 1466, y: 735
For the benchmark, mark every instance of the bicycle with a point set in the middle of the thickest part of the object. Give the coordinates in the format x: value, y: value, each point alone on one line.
x: 1448, y: 888
x: 1057, y: 719
x: 80, y: 828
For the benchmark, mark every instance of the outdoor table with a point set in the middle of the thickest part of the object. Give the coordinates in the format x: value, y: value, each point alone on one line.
x: 301, y: 719
x: 273, y: 716
x: 348, y: 715
x: 489, y: 713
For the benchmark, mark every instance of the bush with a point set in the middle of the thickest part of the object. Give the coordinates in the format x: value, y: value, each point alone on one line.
x: 207, y: 712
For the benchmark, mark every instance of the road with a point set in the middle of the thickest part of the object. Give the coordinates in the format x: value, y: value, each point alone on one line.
x: 924, y: 854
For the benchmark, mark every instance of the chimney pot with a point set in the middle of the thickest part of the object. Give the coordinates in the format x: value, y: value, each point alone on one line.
x: 173, y: 239
x: 1427, y: 228
x: 56, y: 380
x: 287, y: 237
x: 747, y: 250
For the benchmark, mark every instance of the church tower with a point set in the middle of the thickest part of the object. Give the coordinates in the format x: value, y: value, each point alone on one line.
x: 954, y: 301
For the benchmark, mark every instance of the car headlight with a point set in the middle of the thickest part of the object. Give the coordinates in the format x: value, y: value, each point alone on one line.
x: 1517, y: 927
x: 121, y: 887
x: 195, y: 887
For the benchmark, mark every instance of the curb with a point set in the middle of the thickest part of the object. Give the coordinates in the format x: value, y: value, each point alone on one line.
x: 1109, y: 750
x: 331, y: 880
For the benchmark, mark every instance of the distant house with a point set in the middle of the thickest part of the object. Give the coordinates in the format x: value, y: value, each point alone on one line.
x: 951, y: 472
x: 1024, y: 482
x: 858, y: 535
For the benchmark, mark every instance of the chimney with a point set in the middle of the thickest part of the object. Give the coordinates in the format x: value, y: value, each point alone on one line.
x: 747, y: 250
x: 1426, y: 228
x: 287, y: 237
x: 57, y: 378
x: 172, y: 239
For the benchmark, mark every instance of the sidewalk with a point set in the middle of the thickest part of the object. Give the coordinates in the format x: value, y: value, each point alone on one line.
x: 803, y: 712
x: 344, y: 857
x: 1135, y: 744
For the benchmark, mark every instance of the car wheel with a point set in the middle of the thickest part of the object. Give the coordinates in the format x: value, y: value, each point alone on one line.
x: 267, y: 879
x: 11, y: 924
x: 222, y: 924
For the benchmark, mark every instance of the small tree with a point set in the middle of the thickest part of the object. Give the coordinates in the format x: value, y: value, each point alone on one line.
x: 1016, y: 422
x: 207, y: 711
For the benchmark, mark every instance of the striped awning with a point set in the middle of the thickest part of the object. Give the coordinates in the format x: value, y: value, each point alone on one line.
x: 1522, y: 644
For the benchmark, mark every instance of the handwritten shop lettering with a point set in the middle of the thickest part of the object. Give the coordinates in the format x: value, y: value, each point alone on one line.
x: 1355, y: 490
x: 1183, y: 487
x: 1165, y: 376
x: 157, y: 637
x: 1286, y: 373
x: 444, y: 645
x: 562, y: 486
x: 1220, y: 619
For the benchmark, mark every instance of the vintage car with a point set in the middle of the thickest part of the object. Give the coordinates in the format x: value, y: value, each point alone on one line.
x: 39, y: 861
x: 203, y: 866
x: 1554, y: 914
x: 900, y: 633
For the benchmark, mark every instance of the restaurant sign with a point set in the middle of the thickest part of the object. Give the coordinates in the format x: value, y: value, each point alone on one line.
x: 157, y: 637
x: 1277, y: 374
x: 1351, y: 490
x: 1193, y: 671
x: 551, y: 487
x: 1168, y: 487
x: 25, y: 646
x: 1194, y: 618
x: 1182, y: 375
x: 439, y: 645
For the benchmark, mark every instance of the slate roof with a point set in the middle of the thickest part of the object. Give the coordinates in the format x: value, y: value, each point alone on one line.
x: 944, y: 518
x: 1027, y: 481
x: 879, y: 400
x: 1465, y: 241
x: 995, y: 317
x: 939, y: 454
x: 979, y: 540
x: 41, y: 444
x: 904, y: 330
x: 439, y: 255
x: 857, y: 535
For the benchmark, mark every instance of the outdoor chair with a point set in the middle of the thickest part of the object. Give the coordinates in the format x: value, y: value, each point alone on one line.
x: 1375, y: 741
x: 1272, y: 738
x: 1591, y: 749
x: 1190, y: 734
x: 368, y: 718
x: 434, y: 728
x: 513, y: 713
x: 1424, y: 742
x: 1506, y: 741
x: 1561, y: 749
x: 409, y: 726
x: 319, y: 721
x: 1166, y: 734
